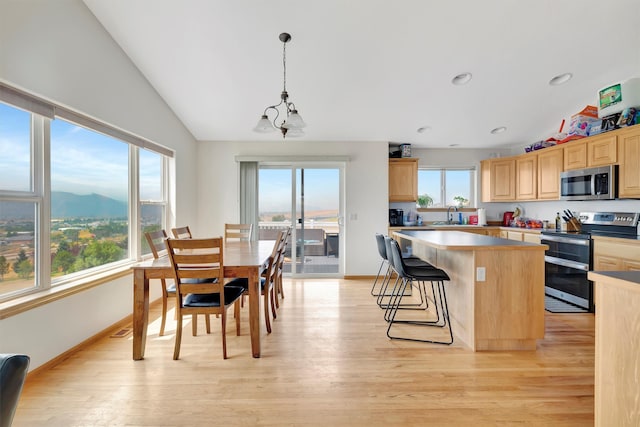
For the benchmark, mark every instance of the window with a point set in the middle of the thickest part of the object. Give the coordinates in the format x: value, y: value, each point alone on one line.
x: 19, y: 202
x: 439, y: 188
x: 152, y: 195
x: 70, y: 190
x: 89, y: 199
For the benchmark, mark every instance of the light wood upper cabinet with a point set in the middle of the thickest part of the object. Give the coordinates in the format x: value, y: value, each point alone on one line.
x: 602, y: 150
x: 575, y: 155
x: 526, y: 177
x: 503, y: 182
x: 629, y: 171
x: 403, y: 180
x: 485, y: 180
x: 550, y: 164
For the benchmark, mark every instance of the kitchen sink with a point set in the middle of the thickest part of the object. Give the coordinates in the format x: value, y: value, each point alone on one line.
x: 445, y: 224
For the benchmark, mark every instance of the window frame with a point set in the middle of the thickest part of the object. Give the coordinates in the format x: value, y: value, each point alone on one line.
x: 473, y: 199
x: 40, y: 195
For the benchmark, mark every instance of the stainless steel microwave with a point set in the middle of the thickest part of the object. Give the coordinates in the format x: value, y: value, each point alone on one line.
x: 589, y: 184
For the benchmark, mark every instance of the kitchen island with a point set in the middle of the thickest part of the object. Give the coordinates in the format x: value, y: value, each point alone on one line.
x: 617, y: 386
x: 496, y: 292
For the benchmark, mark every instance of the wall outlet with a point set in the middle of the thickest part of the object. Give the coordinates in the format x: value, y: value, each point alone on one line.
x: 481, y: 274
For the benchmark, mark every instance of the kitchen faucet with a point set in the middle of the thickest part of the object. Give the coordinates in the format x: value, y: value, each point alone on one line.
x: 450, y: 215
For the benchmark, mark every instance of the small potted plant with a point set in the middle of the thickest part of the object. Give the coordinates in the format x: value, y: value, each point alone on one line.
x: 424, y: 201
x: 460, y: 201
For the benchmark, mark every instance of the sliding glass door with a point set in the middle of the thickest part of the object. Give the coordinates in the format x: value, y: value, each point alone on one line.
x: 308, y: 196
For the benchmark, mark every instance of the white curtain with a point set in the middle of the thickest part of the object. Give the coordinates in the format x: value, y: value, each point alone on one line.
x: 249, y: 196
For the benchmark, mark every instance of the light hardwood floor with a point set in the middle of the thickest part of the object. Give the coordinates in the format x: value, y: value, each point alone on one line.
x: 327, y: 362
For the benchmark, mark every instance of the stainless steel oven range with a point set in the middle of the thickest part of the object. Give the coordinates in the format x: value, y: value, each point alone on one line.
x: 569, y: 256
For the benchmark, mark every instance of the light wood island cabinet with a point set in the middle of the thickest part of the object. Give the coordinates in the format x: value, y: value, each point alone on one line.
x: 496, y: 292
x: 617, y: 354
x: 403, y: 180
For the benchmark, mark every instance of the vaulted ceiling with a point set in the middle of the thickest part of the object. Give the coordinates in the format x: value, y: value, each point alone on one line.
x: 378, y: 70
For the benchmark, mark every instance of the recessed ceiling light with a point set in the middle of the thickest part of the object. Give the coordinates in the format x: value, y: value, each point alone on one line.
x: 423, y: 129
x: 461, y: 79
x: 498, y: 130
x: 560, y: 79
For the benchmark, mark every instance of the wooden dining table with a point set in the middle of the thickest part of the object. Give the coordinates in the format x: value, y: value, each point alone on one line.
x: 241, y: 259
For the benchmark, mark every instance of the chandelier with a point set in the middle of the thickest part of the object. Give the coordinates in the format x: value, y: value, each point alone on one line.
x: 291, y: 123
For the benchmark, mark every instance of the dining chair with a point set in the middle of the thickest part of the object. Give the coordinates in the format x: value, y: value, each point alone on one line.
x: 13, y: 372
x: 182, y: 232
x: 198, y: 267
x: 278, y: 288
x: 156, y: 241
x: 237, y: 231
x: 268, y: 280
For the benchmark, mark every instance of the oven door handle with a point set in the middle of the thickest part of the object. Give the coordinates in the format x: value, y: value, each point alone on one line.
x: 581, y: 242
x: 566, y: 263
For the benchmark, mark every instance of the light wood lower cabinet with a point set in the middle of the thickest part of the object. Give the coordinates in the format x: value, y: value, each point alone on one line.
x: 521, y: 235
x: 611, y: 254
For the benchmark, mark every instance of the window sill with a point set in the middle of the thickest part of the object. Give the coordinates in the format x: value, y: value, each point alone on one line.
x: 38, y: 299
x: 446, y: 209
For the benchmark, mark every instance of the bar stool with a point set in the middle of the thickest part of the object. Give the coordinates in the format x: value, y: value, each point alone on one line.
x: 382, y: 250
x: 407, y: 275
x: 414, y: 262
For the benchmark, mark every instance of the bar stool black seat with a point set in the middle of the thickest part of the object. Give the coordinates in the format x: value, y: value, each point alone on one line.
x: 407, y: 276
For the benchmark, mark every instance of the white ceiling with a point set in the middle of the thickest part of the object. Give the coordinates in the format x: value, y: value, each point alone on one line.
x: 377, y: 70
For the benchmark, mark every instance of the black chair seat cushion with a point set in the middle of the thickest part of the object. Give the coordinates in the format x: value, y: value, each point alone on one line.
x: 243, y: 282
x: 416, y: 262
x: 428, y: 273
x: 231, y: 293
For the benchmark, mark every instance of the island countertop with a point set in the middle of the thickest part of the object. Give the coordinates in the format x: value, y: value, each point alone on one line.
x: 496, y: 289
x: 459, y: 240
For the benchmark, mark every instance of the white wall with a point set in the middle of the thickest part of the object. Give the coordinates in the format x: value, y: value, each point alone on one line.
x: 57, y: 50
x: 366, y: 189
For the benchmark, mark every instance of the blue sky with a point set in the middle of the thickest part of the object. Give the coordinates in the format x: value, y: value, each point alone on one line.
x: 322, y: 189
x: 82, y: 161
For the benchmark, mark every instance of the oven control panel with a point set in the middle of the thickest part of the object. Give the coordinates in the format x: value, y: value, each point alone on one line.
x: 610, y: 218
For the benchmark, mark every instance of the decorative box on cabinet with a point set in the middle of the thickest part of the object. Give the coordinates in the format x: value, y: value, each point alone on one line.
x: 403, y: 180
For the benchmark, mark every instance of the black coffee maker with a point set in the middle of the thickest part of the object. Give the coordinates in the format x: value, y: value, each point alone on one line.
x: 396, y: 217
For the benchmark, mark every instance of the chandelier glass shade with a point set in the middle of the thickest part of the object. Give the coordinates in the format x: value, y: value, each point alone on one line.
x: 291, y: 123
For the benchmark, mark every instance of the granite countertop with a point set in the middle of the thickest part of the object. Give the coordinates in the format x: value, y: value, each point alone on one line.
x: 632, y: 277
x: 459, y: 240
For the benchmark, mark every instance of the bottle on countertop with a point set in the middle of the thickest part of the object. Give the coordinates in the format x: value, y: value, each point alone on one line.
x: 558, y: 222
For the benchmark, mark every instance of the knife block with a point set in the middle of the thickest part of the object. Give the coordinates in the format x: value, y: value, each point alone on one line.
x: 573, y: 225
